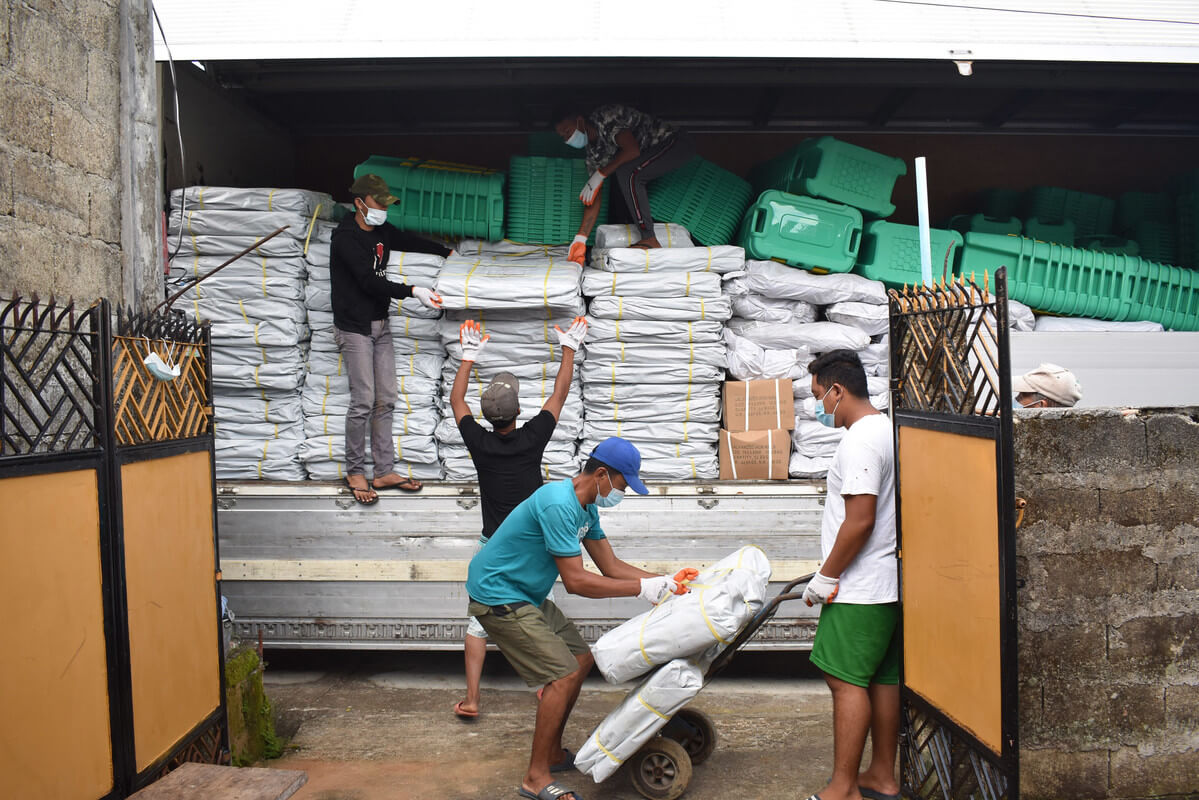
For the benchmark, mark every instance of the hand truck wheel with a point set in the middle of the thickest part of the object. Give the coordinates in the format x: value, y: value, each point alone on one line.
x: 660, y: 770
x: 693, y: 729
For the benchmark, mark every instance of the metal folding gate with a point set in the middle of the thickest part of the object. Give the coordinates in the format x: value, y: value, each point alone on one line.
x: 113, y: 673
x: 952, y: 407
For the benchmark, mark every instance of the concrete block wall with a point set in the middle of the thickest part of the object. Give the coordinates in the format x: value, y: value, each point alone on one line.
x: 1109, y: 612
x: 72, y: 78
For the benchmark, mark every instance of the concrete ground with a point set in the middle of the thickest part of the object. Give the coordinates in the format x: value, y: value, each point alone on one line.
x: 369, y: 726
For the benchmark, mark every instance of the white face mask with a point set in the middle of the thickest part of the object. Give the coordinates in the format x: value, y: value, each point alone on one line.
x: 612, y: 498
x: 160, y: 369
x: 577, y: 140
x: 374, y: 216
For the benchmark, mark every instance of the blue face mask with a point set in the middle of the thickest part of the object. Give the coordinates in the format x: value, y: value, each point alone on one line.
x: 612, y: 498
x: 577, y: 140
x: 824, y: 417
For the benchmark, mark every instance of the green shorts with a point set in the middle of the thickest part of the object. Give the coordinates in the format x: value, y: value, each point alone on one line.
x: 539, y: 643
x: 858, y: 643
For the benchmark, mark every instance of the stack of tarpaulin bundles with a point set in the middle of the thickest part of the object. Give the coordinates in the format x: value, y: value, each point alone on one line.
x: 655, y: 360
x: 419, y: 356
x: 517, y: 293
x: 785, y: 317
x: 678, y: 639
x: 256, y: 307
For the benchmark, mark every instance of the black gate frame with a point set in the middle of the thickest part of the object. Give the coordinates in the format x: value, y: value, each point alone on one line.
x: 938, y: 757
x: 78, y: 432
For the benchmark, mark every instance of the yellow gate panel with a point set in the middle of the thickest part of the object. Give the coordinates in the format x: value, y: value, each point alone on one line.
x: 171, y: 589
x: 951, y: 626
x: 55, y: 737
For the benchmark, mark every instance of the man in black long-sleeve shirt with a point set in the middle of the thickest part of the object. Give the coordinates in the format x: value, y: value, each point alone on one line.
x: 362, y: 245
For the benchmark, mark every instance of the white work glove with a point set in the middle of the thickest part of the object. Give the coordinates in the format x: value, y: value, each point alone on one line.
x: 591, y: 190
x: 578, y: 250
x: 821, y: 589
x: 471, y: 337
x: 572, y: 337
x: 428, y: 298
x: 654, y: 590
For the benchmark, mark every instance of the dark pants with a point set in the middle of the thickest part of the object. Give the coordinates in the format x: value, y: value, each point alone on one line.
x: 634, y: 177
x: 371, y: 367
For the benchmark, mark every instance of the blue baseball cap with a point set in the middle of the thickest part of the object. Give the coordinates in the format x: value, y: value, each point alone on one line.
x: 622, y: 456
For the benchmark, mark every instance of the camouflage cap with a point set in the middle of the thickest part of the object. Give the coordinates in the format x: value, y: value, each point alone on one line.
x: 373, y: 186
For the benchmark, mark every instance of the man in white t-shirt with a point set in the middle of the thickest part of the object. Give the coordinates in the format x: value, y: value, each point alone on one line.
x: 857, y: 640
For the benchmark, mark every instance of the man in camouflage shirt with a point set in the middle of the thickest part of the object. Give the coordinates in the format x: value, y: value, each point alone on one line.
x: 630, y: 147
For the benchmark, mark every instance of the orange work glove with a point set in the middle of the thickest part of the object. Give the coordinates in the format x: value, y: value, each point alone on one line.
x: 578, y: 250
x: 683, y: 576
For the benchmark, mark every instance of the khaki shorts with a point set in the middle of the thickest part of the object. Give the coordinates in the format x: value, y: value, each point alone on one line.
x: 539, y: 643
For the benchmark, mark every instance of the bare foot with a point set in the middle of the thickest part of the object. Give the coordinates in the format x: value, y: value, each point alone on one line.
x: 363, y: 493
x: 393, y: 481
x: 648, y: 243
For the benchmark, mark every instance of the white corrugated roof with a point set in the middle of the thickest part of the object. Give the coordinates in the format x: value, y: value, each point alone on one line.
x: 1047, y: 30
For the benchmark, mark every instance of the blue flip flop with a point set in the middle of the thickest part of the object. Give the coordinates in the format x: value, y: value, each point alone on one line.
x: 874, y: 794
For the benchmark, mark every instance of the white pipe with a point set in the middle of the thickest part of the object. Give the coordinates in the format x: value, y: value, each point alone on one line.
x: 926, y: 248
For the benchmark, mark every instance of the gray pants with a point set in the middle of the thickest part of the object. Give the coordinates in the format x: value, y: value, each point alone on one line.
x: 371, y: 366
x: 633, y: 177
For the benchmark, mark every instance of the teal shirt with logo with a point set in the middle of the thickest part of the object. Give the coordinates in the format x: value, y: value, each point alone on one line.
x: 517, y: 563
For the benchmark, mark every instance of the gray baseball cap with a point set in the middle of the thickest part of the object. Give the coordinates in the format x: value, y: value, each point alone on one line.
x: 501, y: 399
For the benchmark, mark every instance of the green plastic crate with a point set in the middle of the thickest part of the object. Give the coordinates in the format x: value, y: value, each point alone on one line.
x: 1166, y: 294
x: 1133, y: 208
x: 890, y: 253
x: 1091, y: 213
x: 1188, y: 229
x: 802, y: 231
x: 834, y: 170
x: 1054, y: 278
x: 1000, y: 203
x: 1111, y: 244
x: 543, y: 199
x: 441, y: 198
x: 981, y: 223
x: 705, y: 199
x: 1158, y: 241
x: 550, y: 145
x: 1062, y: 232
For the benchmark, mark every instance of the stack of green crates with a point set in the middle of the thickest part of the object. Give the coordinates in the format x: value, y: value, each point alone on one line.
x: 890, y: 253
x: 1158, y: 240
x: 1090, y: 213
x: 802, y: 231
x: 1166, y: 294
x: 441, y: 198
x: 834, y: 170
x: 1111, y: 244
x: 981, y: 223
x: 1060, y: 232
x: 543, y: 199
x: 1000, y: 203
x: 1133, y: 208
x: 1188, y: 229
x: 705, y: 199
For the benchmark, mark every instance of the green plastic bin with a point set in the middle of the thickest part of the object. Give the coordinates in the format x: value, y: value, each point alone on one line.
x: 1000, y: 203
x: 705, y: 199
x: 543, y: 200
x: 1133, y: 208
x: 1166, y: 294
x: 834, y: 170
x: 1062, y: 232
x: 1054, y: 278
x: 550, y: 145
x: 890, y: 253
x: 1111, y: 244
x: 1091, y: 213
x: 1158, y: 241
x: 441, y: 198
x: 802, y: 231
x: 981, y: 223
x: 1188, y: 230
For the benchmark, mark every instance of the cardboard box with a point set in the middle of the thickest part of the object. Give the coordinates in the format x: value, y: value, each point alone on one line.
x: 759, y: 405
x: 754, y: 455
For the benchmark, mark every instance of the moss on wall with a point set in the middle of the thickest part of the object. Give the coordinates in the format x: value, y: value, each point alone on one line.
x: 252, y: 735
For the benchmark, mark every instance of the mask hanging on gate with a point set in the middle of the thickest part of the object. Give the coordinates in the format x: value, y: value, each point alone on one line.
x: 161, y: 369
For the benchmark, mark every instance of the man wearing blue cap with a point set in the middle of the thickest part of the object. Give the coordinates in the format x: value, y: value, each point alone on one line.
x: 510, y: 577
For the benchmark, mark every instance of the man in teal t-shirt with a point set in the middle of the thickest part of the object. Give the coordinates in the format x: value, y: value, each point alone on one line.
x: 509, y: 578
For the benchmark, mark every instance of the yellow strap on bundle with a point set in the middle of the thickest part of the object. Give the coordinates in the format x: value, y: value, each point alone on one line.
x: 620, y: 308
x: 266, y: 411
x: 669, y: 235
x: 270, y: 200
x: 330, y: 441
x: 265, y: 445
x: 545, y: 285
x: 466, y: 284
x: 256, y: 383
x: 694, y: 471
x: 647, y: 259
x: 311, y: 225
x: 709, y: 267
x: 690, y: 334
x: 641, y: 700
x: 703, y: 311
x: 688, y: 292
x: 201, y: 195
x: 245, y: 318
x: 605, y: 750
x: 616, y: 412
x: 399, y: 448
x: 614, y: 283
x: 616, y: 324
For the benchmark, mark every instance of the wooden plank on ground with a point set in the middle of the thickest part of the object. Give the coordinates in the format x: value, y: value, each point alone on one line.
x: 210, y: 782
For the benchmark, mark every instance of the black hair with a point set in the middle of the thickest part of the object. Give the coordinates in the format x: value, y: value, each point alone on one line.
x: 843, y: 367
x: 561, y: 114
x: 593, y: 464
x: 501, y: 423
x: 354, y: 197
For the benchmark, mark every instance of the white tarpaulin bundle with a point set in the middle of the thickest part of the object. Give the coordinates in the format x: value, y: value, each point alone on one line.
x: 808, y: 467
x: 419, y: 359
x: 719, y: 259
x: 680, y: 375
x: 668, y: 234
x: 749, y: 361
x: 876, y: 357
x: 703, y: 408
x: 650, y: 354
x: 815, y: 440
x: 685, y: 332
x: 229, y: 198
x: 671, y: 432
x: 1081, y: 324
x: 722, y: 598
x: 490, y: 283
x: 642, y: 714
x: 664, y: 309
x: 598, y: 283
x: 256, y: 305
x: 816, y: 337
x: 772, y: 279
x: 769, y: 309
x: 870, y: 318
x: 510, y: 249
